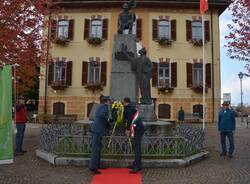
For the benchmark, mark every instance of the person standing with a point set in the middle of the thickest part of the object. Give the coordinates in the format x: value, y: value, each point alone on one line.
x: 21, y: 120
x: 181, y: 115
x: 135, y: 129
x: 226, y: 126
x: 98, y: 130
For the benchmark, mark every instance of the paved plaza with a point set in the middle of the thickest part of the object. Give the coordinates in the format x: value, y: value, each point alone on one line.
x: 29, y: 169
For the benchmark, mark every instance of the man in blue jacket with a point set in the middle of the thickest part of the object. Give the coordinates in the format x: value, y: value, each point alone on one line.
x: 98, y: 130
x: 135, y: 129
x: 226, y: 126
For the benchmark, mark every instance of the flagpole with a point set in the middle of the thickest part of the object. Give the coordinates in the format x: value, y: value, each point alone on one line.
x: 204, y: 72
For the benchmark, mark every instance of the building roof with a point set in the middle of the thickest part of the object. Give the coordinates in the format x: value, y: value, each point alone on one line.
x: 221, y: 5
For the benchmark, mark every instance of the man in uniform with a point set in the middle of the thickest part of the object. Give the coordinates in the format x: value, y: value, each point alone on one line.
x: 226, y: 126
x: 135, y: 129
x: 98, y: 129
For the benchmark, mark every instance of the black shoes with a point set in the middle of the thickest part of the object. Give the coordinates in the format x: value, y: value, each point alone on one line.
x: 223, y: 154
x: 135, y: 170
x: 18, y: 154
x: 230, y: 156
x: 95, y: 171
x: 23, y: 151
x: 102, y: 167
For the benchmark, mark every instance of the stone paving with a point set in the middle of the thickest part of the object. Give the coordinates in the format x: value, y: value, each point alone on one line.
x: 29, y: 169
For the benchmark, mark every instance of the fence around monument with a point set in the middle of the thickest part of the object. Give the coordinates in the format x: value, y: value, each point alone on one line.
x: 75, y: 140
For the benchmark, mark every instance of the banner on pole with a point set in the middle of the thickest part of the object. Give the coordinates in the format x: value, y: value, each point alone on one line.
x: 6, y: 130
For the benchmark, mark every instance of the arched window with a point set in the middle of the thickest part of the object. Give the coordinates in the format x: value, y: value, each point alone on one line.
x: 58, y: 108
x: 163, y: 29
x: 198, y: 109
x: 89, y: 107
x: 96, y: 29
x: 63, y: 29
x: 164, y: 111
x: 197, y: 30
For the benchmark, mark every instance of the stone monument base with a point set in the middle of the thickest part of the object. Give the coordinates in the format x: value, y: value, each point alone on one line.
x: 147, y: 112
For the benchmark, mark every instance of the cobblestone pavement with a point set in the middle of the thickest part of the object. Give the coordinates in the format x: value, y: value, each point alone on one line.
x: 29, y: 169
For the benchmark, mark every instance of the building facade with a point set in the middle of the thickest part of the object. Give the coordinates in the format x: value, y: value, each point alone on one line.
x: 82, y: 38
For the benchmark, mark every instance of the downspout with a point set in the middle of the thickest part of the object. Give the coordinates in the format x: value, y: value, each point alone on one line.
x: 212, y: 52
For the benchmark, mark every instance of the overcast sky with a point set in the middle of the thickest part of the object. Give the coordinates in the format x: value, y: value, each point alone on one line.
x: 230, y: 82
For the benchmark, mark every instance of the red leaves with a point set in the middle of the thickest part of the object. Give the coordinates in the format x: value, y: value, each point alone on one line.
x: 239, y: 37
x: 22, y: 24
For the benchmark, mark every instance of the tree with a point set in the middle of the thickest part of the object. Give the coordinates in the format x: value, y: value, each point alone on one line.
x: 239, y: 36
x: 21, y: 39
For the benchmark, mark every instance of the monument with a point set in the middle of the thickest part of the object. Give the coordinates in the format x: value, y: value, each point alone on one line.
x: 130, y: 71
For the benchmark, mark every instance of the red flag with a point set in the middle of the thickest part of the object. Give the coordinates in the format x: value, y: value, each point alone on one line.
x: 203, y: 6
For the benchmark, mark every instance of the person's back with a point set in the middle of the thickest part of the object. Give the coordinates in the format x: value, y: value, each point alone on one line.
x: 101, y: 119
x: 129, y: 112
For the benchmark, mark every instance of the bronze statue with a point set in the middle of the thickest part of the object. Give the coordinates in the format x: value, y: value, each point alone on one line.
x: 143, y: 68
x: 126, y: 18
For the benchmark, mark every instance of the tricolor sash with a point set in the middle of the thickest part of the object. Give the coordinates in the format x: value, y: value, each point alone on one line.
x: 133, y: 124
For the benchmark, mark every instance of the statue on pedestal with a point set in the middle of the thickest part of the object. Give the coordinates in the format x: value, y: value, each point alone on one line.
x: 143, y: 68
x: 126, y: 18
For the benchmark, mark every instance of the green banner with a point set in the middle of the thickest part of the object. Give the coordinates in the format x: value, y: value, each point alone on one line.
x: 6, y: 130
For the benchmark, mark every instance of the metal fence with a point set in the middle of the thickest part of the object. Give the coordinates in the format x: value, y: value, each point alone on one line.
x: 75, y: 140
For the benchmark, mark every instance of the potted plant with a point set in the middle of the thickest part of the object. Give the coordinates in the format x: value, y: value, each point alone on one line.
x: 95, y: 40
x: 198, y: 88
x: 62, y: 40
x: 197, y: 42
x: 164, y: 41
x: 59, y: 85
x: 94, y: 86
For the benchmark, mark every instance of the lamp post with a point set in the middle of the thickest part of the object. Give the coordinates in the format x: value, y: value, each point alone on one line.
x: 241, y: 101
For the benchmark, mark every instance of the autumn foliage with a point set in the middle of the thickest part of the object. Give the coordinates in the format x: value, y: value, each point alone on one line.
x: 239, y: 36
x: 21, y: 26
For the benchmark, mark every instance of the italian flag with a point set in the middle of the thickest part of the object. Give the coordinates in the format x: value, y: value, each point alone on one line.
x: 203, y: 6
x: 133, y: 124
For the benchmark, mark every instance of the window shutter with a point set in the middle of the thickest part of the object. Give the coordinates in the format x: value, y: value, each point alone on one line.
x: 86, y: 29
x: 69, y: 73
x: 104, y: 72
x: 155, y: 29
x: 138, y: 29
x: 173, y: 74
x: 84, y: 72
x: 53, y: 32
x: 208, y: 75
x: 189, y: 74
x: 71, y: 29
x: 188, y: 30
x: 105, y: 29
x: 51, y: 73
x: 207, y: 31
x: 173, y: 30
x: 155, y: 75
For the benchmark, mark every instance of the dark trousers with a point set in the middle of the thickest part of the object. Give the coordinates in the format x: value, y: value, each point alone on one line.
x: 137, y: 149
x: 19, y: 136
x: 96, y: 150
x: 230, y: 137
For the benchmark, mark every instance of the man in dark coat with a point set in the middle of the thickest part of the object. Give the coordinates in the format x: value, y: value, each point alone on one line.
x: 226, y: 126
x: 181, y: 115
x: 98, y: 130
x: 136, y: 133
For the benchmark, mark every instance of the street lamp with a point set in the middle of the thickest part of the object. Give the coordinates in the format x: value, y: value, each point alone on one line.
x: 15, y: 88
x: 241, y: 101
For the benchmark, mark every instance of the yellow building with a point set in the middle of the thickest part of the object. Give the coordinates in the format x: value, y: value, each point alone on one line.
x: 82, y: 38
